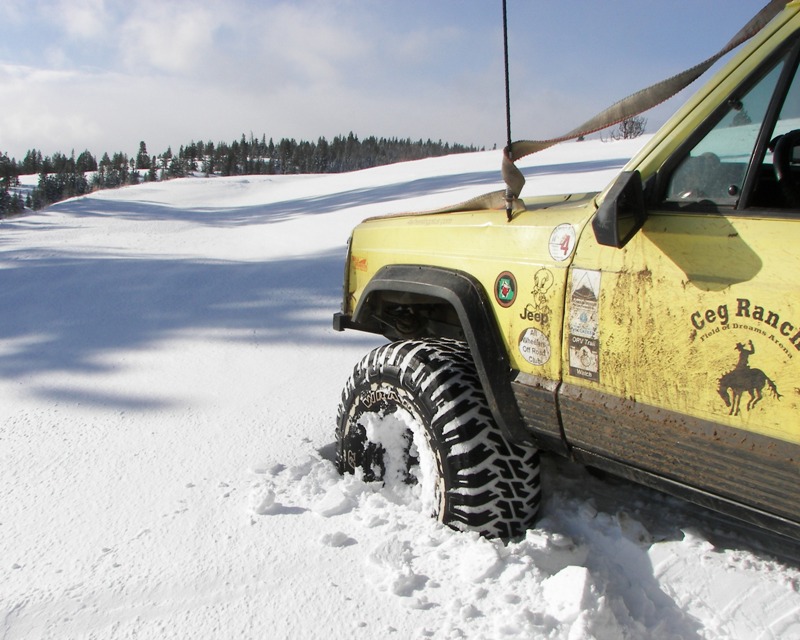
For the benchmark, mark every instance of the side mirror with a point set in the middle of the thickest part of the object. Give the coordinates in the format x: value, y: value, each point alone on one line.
x: 622, y: 213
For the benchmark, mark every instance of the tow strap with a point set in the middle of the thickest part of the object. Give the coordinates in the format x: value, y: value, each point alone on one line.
x: 623, y: 110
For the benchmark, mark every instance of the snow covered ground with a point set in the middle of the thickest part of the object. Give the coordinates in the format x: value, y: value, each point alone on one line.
x: 169, y: 381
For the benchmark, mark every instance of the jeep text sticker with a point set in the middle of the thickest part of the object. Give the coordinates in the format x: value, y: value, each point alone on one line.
x: 538, y: 310
x: 584, y: 323
x: 505, y: 289
x: 562, y: 242
x: 534, y: 346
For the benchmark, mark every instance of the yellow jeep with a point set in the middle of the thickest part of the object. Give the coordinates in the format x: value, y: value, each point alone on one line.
x: 651, y: 330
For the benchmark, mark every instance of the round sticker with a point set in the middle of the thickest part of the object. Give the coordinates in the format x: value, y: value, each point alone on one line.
x: 505, y: 289
x: 534, y: 346
x: 562, y: 242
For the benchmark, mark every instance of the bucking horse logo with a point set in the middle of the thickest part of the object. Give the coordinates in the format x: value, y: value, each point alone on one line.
x: 741, y: 379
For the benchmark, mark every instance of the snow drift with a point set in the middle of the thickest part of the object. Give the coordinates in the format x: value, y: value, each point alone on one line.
x: 169, y: 381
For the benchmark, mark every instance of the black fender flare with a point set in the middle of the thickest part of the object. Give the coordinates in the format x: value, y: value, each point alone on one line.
x: 473, y: 307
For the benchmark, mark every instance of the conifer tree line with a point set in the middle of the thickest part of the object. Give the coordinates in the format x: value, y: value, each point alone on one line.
x: 62, y: 176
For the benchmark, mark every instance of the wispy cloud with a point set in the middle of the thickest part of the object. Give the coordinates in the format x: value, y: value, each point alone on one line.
x: 166, y: 36
x: 105, y: 74
x: 80, y: 19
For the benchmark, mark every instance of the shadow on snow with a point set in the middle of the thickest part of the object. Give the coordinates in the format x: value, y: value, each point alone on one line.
x: 62, y: 314
x: 309, y: 205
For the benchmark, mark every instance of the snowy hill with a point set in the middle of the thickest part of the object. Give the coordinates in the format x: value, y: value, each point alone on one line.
x: 169, y: 381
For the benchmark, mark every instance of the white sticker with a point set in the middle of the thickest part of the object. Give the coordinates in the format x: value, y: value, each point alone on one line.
x: 562, y: 242
x: 534, y: 346
x: 584, y: 358
x: 584, y: 307
x: 584, y: 325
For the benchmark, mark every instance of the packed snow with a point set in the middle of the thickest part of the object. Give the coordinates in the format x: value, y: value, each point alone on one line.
x: 169, y: 381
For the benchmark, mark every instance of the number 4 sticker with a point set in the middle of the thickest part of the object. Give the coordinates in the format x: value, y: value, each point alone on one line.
x: 562, y: 242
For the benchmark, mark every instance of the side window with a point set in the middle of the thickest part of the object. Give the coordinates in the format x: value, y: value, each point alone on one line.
x: 714, y: 170
x: 789, y: 118
x: 779, y: 184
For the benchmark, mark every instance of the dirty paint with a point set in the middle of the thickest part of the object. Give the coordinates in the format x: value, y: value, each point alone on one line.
x: 699, y: 315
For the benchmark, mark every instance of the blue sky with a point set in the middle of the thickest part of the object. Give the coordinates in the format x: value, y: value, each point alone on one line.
x: 104, y: 74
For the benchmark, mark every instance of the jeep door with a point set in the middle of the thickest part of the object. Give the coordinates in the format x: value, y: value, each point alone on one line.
x: 682, y: 349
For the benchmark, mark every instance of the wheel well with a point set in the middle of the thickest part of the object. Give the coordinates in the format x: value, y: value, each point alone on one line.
x: 400, y: 315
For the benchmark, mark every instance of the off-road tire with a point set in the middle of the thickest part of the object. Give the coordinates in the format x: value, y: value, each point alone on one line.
x: 483, y: 483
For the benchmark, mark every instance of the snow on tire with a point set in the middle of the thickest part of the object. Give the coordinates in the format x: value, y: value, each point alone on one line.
x: 413, y: 412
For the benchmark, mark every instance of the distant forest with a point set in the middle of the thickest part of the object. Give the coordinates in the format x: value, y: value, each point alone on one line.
x: 62, y: 176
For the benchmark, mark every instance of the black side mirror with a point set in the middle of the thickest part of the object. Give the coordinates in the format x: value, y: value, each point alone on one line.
x: 622, y: 213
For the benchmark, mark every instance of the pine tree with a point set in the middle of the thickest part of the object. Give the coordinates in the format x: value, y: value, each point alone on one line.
x: 85, y: 162
x: 142, y: 158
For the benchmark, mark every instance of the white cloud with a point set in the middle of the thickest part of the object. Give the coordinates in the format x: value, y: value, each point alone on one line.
x: 110, y: 111
x: 36, y: 117
x: 81, y: 19
x: 303, y: 69
x: 421, y: 45
x: 171, y: 37
x: 308, y: 43
x: 171, y: 71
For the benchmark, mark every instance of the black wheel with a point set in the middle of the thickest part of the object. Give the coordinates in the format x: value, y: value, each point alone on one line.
x: 414, y: 412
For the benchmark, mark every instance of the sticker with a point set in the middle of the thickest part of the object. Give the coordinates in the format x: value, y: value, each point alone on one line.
x: 542, y: 281
x: 562, y: 242
x: 534, y: 346
x: 539, y: 310
x: 584, y: 325
x: 505, y: 289
x: 747, y: 313
x: 584, y: 308
x: 742, y: 384
x: 744, y: 379
x: 531, y: 314
x: 584, y: 358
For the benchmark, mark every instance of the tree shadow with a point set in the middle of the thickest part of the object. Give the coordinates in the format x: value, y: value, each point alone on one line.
x: 281, y: 211
x: 62, y: 310
x: 60, y: 313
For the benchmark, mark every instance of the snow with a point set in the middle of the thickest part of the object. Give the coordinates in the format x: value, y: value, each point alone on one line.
x: 169, y: 381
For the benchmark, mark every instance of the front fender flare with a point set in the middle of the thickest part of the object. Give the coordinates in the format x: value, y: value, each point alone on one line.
x: 473, y: 307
